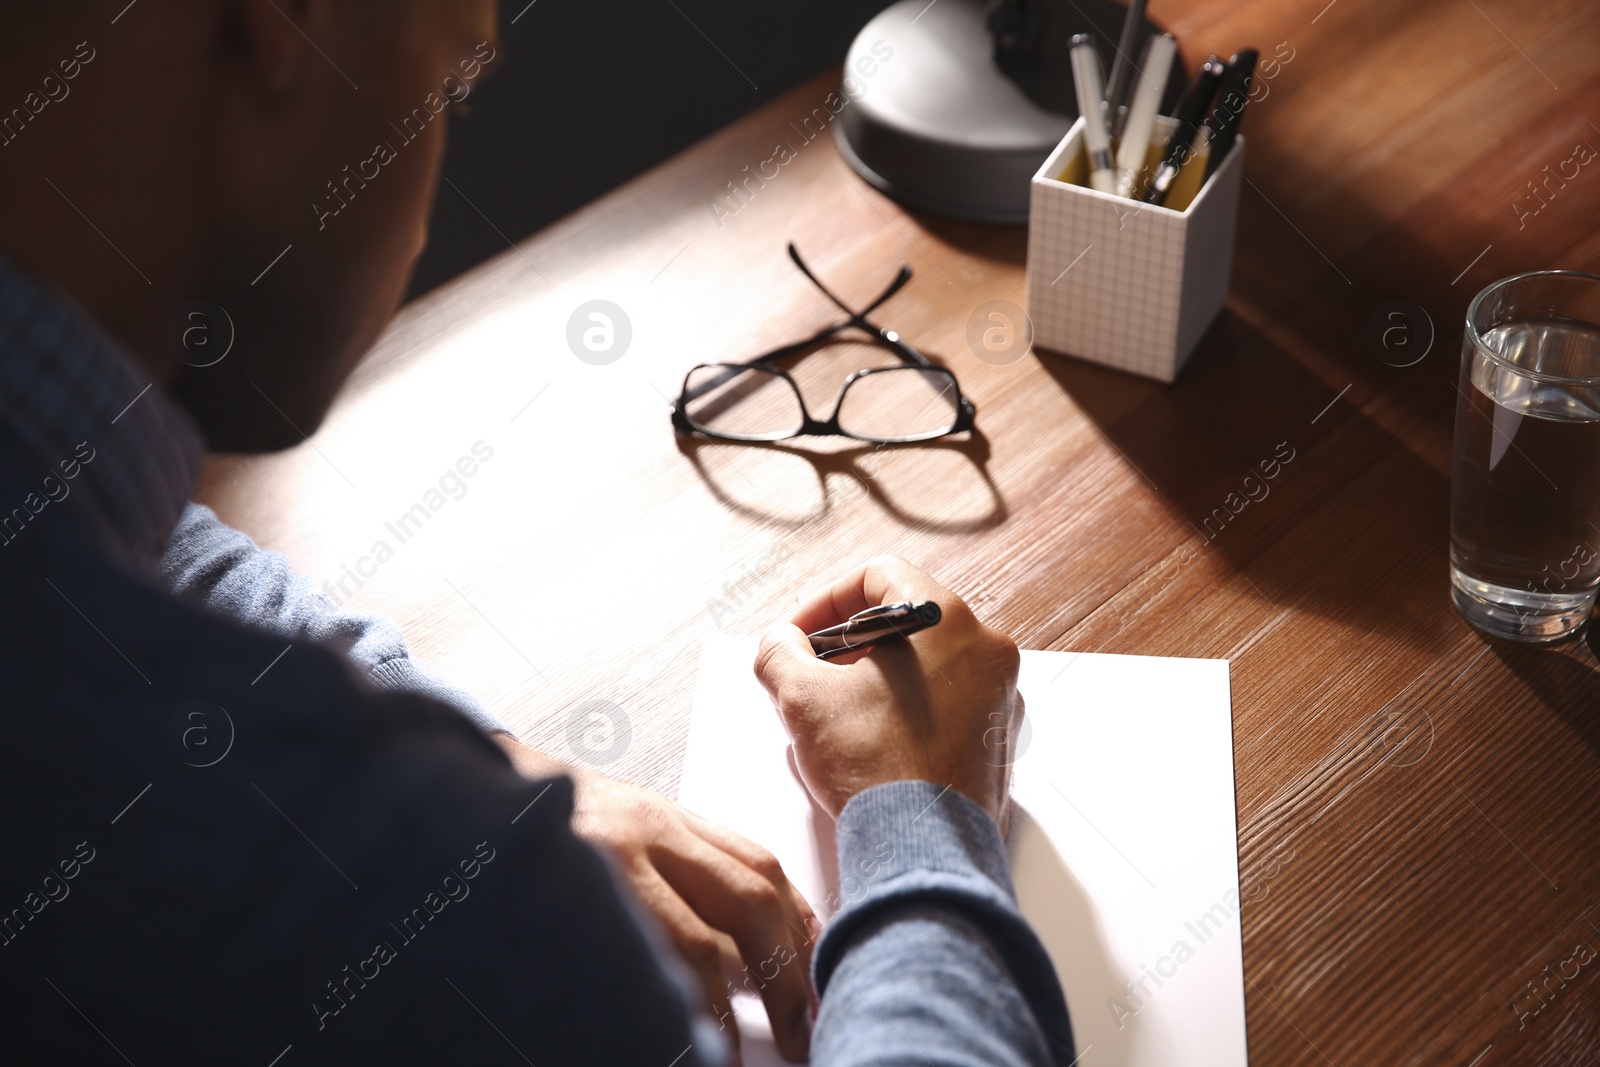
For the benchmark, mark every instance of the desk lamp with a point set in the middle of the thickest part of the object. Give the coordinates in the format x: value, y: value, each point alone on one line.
x: 953, y: 105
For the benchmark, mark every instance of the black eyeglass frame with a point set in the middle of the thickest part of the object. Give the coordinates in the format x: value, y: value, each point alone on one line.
x: 966, y: 411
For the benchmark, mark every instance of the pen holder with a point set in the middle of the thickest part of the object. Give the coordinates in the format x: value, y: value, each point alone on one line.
x: 1123, y: 283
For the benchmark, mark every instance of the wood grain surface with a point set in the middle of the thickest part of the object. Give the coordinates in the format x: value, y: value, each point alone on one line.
x: 1418, y: 808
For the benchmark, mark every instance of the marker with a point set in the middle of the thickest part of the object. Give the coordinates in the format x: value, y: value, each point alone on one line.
x: 1117, y: 85
x: 1096, y: 139
x: 886, y: 622
x: 1232, y: 96
x: 1142, y: 113
x: 1191, y: 111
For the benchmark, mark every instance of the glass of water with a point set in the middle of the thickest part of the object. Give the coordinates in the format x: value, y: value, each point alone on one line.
x: 1525, y: 493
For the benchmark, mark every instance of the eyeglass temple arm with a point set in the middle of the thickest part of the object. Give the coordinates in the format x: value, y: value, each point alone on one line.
x: 898, y: 346
x: 909, y: 354
x: 900, y: 279
x: 894, y: 287
x: 895, y: 344
x: 857, y: 319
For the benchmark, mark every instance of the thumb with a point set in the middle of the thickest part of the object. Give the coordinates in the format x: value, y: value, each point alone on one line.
x: 784, y: 660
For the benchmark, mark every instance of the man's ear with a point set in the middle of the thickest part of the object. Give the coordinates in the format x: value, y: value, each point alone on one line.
x: 273, y: 39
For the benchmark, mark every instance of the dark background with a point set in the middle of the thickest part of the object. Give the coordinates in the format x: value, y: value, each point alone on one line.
x: 588, y: 93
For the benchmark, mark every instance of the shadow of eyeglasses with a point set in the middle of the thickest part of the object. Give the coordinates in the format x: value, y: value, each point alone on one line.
x: 863, y: 465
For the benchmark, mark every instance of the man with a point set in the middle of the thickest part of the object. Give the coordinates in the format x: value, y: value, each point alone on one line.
x: 363, y: 866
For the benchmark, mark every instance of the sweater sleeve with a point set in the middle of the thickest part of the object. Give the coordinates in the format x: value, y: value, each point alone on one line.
x: 930, y: 960
x: 211, y: 565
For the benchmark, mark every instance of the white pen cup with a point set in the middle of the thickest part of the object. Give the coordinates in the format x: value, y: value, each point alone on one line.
x: 1120, y: 282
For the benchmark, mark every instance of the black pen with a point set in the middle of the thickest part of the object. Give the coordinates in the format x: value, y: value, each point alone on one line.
x: 883, y: 623
x: 1117, y: 84
x: 1191, y: 112
x: 1232, y: 96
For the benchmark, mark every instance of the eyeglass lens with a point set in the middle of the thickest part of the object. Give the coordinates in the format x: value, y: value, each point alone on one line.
x: 899, y: 404
x: 752, y: 403
x: 745, y: 403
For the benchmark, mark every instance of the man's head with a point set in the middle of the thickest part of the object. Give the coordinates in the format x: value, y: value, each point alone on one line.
x: 275, y: 159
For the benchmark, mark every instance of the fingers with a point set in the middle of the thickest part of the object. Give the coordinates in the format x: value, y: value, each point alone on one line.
x: 695, y: 941
x: 838, y: 602
x: 785, y: 660
x: 904, y: 709
x: 765, y: 864
x: 881, y: 580
x: 756, y: 907
x: 714, y: 893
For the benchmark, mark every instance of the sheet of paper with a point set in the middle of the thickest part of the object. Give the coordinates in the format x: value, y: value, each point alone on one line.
x: 1123, y: 843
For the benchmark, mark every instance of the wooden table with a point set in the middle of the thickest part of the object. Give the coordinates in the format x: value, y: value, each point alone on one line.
x: 1418, y: 809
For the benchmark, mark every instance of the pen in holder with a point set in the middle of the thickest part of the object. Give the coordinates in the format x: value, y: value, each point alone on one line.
x: 1121, y: 282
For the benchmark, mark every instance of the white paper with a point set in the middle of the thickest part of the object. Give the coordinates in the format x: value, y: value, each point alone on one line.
x: 1123, y: 840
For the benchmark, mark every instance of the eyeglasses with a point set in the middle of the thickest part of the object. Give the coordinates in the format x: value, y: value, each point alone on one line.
x: 886, y: 405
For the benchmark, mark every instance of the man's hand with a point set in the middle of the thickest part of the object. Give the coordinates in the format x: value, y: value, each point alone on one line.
x: 705, y: 884
x: 941, y: 706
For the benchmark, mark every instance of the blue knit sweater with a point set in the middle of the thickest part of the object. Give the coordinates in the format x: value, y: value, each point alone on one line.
x: 328, y: 861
